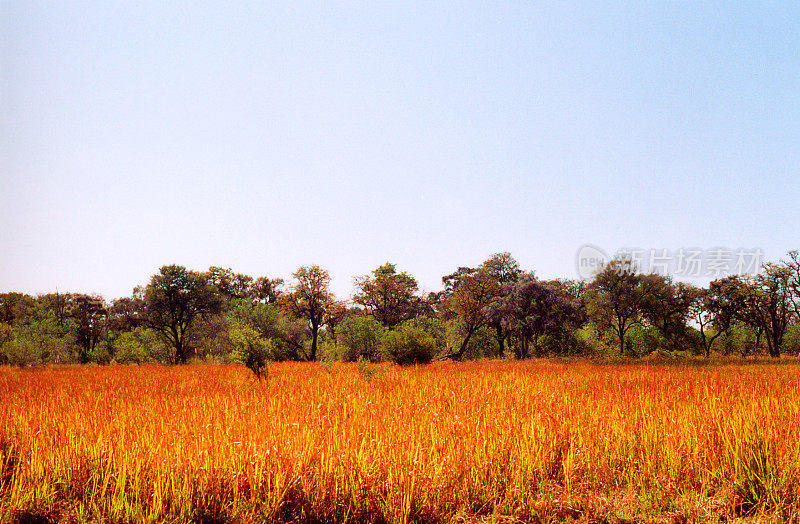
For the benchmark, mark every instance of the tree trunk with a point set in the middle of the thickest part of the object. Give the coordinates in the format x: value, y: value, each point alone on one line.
x: 775, y: 345
x: 463, y: 348
x: 501, y: 346
x: 314, y: 333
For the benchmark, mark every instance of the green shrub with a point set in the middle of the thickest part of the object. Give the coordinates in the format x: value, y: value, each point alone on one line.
x: 432, y: 326
x: 358, y: 338
x: 102, y: 353
x: 408, y: 345
x: 41, y: 340
x: 741, y: 339
x: 791, y: 340
x: 139, y: 346
x: 251, y: 350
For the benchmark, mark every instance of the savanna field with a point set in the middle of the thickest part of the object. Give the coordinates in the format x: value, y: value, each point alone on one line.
x: 534, y: 441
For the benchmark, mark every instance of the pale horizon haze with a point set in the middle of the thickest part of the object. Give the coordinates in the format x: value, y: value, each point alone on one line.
x: 268, y: 135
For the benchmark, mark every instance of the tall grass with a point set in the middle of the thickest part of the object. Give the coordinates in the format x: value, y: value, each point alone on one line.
x: 537, y: 440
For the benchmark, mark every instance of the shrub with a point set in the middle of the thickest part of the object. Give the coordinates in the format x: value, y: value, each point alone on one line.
x: 408, y: 345
x: 102, y: 353
x: 251, y: 350
x: 432, y: 326
x: 358, y: 337
x: 139, y: 346
x: 791, y: 340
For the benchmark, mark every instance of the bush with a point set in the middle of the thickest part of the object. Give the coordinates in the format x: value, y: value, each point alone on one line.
x: 642, y: 340
x: 432, y: 326
x: 791, y: 340
x: 290, y: 337
x: 408, y: 345
x: 139, y: 346
x: 102, y: 353
x: 596, y: 340
x: 562, y: 343
x: 251, y: 350
x: 41, y: 340
x: 741, y: 339
x: 358, y: 337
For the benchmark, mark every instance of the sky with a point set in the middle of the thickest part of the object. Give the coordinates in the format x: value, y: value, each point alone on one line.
x: 265, y: 136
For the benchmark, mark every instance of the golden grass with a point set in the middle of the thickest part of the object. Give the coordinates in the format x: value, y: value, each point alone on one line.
x: 537, y: 441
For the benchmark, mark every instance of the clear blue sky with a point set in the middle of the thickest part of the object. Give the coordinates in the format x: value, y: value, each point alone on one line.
x: 265, y: 136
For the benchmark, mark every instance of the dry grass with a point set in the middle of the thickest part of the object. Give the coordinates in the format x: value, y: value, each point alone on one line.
x: 474, y: 442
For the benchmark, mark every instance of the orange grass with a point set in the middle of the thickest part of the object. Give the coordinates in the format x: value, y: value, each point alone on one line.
x: 540, y: 441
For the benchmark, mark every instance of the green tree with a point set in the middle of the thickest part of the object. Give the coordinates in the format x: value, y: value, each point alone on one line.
x: 714, y: 309
x: 506, y: 271
x: 471, y: 294
x: 309, y: 299
x: 770, y: 304
x: 89, y: 313
x: 141, y: 345
x: 41, y: 339
x: 387, y: 295
x: 14, y: 307
x: 667, y: 307
x: 615, y: 297
x: 174, y: 300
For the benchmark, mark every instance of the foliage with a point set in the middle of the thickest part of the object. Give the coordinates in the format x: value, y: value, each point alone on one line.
x: 481, y: 343
x: 139, y: 346
x: 89, y: 315
x: 251, y: 350
x: 741, y: 339
x: 616, y: 297
x: 40, y: 339
x: 408, y: 345
x: 174, y: 299
x: 387, y: 295
x: 530, y: 309
x: 432, y: 326
x: 309, y: 299
x: 472, y: 293
x: 358, y: 338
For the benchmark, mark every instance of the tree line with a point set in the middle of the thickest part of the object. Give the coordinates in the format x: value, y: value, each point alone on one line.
x: 496, y: 309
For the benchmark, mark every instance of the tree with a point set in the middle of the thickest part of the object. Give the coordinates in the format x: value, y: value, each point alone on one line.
x: 387, y: 295
x: 667, y: 306
x: 174, y: 300
x: 309, y: 299
x: 89, y: 314
x: 506, y: 271
x: 770, y: 301
x: 615, y: 297
x: 503, y: 267
x: 793, y: 272
x: 470, y: 296
x: 251, y: 350
x: 127, y: 313
x: 532, y: 308
x: 14, y: 307
x: 716, y: 307
x: 229, y: 284
x: 267, y: 289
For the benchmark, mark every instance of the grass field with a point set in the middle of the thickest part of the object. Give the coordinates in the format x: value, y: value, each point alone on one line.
x: 488, y: 441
